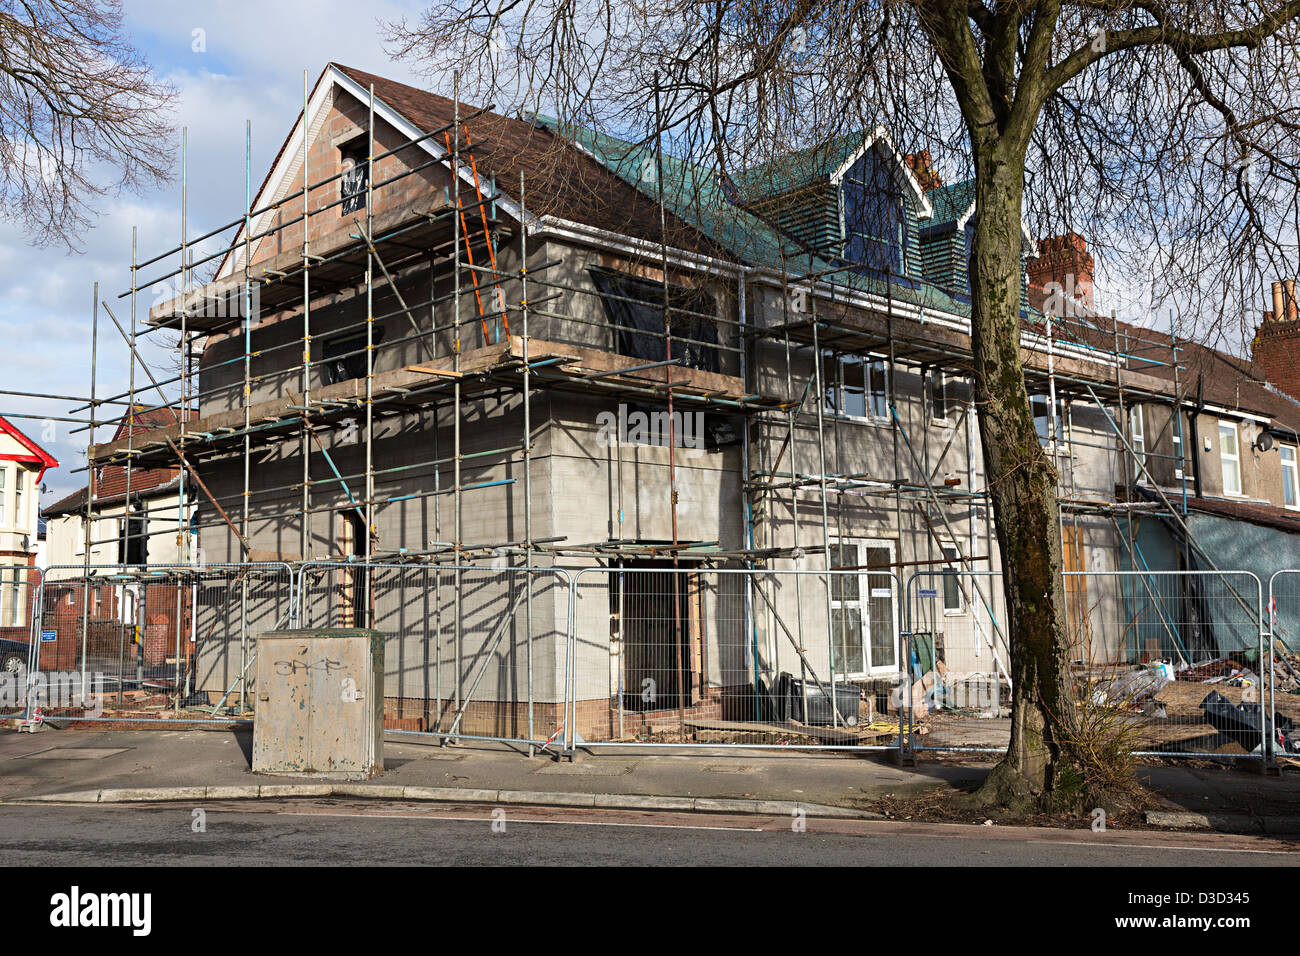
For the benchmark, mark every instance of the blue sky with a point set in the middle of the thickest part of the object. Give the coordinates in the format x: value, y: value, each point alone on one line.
x: 251, y: 69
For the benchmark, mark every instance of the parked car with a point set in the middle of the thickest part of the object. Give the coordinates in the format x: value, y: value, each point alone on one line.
x: 13, y: 656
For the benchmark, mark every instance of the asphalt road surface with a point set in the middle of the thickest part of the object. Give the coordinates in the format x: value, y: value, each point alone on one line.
x: 333, y: 832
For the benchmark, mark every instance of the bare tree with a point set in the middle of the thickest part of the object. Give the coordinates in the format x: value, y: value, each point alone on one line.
x: 1164, y: 130
x: 81, y: 114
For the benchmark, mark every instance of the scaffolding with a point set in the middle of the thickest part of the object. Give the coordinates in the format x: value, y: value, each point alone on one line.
x: 490, y: 324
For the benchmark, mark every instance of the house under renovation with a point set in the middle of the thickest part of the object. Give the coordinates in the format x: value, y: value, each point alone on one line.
x: 581, y: 427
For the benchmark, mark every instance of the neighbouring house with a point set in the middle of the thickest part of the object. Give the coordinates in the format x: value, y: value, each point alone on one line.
x: 22, y: 464
x: 144, y: 517
x: 393, y: 401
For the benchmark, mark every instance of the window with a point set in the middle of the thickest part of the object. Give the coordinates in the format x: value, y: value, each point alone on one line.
x: 864, y: 626
x: 879, y: 386
x: 354, y: 159
x: 873, y: 215
x: 4, y: 502
x: 1138, y: 438
x: 1230, y: 458
x: 938, y: 396
x: 1179, y: 459
x: 12, y: 595
x: 952, y: 599
x: 345, y: 356
x: 855, y: 387
x: 1043, y: 423
x: 20, y: 517
x: 1290, y: 476
x: 131, y: 545
x: 853, y: 398
x: 635, y: 308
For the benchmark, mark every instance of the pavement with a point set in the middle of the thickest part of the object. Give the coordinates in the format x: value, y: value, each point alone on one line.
x: 130, y: 766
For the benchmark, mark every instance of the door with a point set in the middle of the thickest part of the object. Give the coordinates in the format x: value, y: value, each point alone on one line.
x: 864, y: 613
x: 1076, y: 595
x: 655, y: 612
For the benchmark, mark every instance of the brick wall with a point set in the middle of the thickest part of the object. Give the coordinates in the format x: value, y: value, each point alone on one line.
x: 1276, y: 351
x: 1063, y: 261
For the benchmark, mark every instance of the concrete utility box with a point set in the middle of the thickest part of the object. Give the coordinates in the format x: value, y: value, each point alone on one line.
x: 319, y: 705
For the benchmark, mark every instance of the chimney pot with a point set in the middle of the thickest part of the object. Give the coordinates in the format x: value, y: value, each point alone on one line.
x: 1291, y: 312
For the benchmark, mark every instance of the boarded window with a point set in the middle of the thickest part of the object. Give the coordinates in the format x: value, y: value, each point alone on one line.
x: 131, y: 543
x: 635, y: 307
x: 345, y: 356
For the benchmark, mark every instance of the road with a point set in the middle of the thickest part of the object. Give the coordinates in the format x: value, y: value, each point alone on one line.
x: 358, y: 832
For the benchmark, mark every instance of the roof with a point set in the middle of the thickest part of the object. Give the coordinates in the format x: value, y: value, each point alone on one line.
x: 1270, y: 516
x: 951, y: 203
x: 111, y: 481
x: 561, y: 181
x: 36, y: 454
x: 800, y: 168
x: 583, y: 176
x: 1205, y: 373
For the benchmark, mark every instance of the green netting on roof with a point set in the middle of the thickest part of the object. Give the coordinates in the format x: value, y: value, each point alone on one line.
x: 696, y: 195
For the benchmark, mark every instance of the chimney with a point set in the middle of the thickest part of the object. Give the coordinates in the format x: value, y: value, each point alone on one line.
x: 925, y: 174
x: 1277, y: 340
x: 1060, y: 279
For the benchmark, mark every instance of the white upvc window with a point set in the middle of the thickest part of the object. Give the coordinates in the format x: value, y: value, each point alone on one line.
x: 855, y: 387
x: 1138, y: 438
x: 864, y: 609
x: 1040, y: 405
x: 20, y: 517
x: 4, y: 496
x: 13, y: 604
x: 878, y: 386
x: 939, y: 404
x: 1290, y: 476
x: 952, y: 598
x: 1179, y: 458
x: 1230, y: 458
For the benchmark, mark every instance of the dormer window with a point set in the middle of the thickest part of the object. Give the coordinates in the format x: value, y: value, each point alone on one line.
x: 354, y: 158
x: 873, y: 215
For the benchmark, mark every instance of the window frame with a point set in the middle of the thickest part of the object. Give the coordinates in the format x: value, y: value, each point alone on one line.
x: 862, y: 604
x: 1234, y: 458
x: 833, y: 387
x: 952, y: 555
x: 1137, y: 436
x: 1294, y: 468
x: 356, y: 151
x: 1045, y: 436
x: 939, y: 376
x: 1176, y: 443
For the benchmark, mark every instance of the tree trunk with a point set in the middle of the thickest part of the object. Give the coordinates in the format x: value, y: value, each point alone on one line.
x: 1022, y: 484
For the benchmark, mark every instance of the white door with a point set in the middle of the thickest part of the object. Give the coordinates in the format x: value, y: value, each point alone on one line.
x: 864, y: 609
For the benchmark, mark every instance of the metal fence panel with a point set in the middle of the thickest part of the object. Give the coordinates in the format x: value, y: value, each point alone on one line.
x: 19, y: 638
x: 471, y: 652
x: 684, y: 656
x: 1151, y: 647
x: 1283, y: 677
x: 150, y: 643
